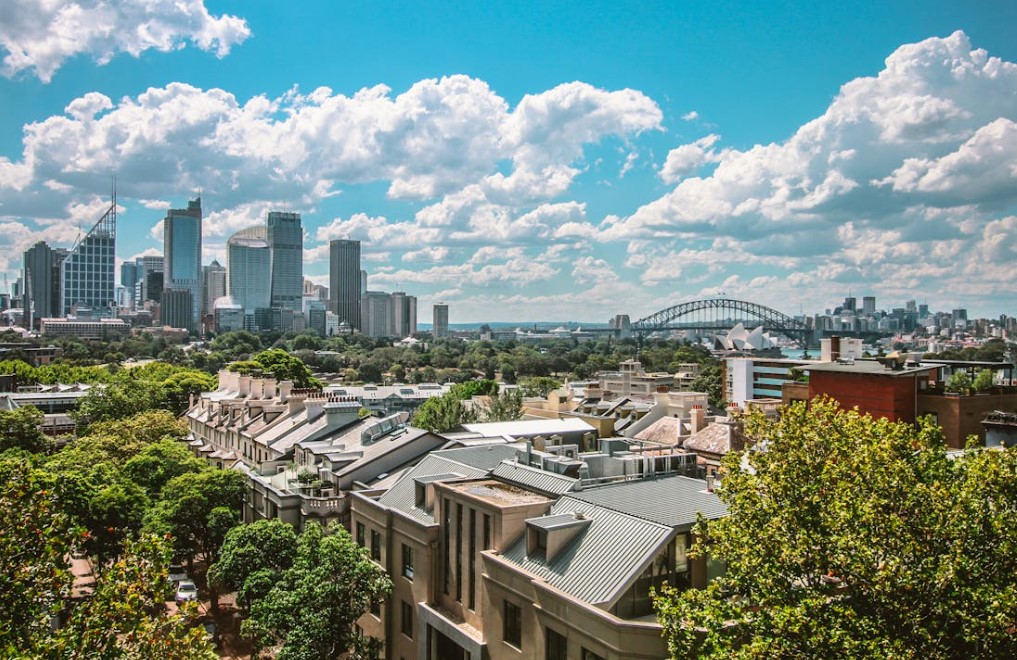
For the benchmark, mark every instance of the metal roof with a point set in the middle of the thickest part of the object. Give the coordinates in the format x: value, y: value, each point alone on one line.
x: 671, y: 501
x: 600, y: 561
x: 542, y: 481
x: 530, y: 427
x: 468, y: 462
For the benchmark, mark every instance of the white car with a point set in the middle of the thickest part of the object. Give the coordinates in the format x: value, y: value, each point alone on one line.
x: 186, y: 591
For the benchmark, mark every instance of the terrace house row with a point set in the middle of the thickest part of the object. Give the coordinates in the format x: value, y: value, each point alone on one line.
x: 302, y: 450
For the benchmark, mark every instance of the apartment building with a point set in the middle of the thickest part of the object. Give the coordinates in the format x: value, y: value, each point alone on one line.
x: 501, y: 551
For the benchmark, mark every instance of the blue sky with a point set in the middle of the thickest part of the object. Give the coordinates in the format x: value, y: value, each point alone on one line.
x: 527, y: 161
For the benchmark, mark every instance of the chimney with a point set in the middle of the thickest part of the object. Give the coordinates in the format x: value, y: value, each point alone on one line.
x: 315, y: 406
x: 269, y: 388
x: 341, y: 413
x: 285, y: 387
x: 698, y: 417
x: 244, y: 385
x: 834, y: 348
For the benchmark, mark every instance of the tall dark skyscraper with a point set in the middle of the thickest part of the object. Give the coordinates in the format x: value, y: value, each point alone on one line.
x: 88, y: 274
x: 42, y: 283
x: 344, y: 281
x: 182, y: 247
x: 286, y: 249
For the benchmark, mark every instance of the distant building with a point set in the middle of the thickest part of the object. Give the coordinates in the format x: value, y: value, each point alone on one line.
x: 41, y: 275
x: 182, y: 247
x: 346, y: 281
x: 403, y: 314
x: 248, y: 269
x: 439, y: 324
x: 869, y: 305
x: 376, y: 314
x: 213, y: 286
x: 286, y: 246
x: 88, y: 274
x: 177, y: 309
x: 84, y: 329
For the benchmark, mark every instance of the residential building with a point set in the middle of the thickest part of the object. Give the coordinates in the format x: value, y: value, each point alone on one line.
x: 632, y: 380
x: 500, y: 551
x: 88, y: 274
x: 748, y: 378
x: 345, y: 281
x: 182, y: 248
x: 439, y: 323
x: 248, y: 269
x: 384, y: 400
x: 286, y: 246
x: 302, y: 450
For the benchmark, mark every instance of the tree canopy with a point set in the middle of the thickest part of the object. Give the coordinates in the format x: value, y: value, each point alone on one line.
x: 311, y: 611
x: 854, y: 537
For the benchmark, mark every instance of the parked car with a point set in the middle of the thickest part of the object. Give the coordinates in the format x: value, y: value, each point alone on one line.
x: 186, y: 590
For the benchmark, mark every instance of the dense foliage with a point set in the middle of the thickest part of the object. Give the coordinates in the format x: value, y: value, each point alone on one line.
x: 311, y: 611
x: 854, y: 537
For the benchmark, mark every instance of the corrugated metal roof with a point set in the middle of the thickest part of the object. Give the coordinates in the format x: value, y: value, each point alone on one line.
x: 529, y: 427
x: 558, y: 521
x: 468, y: 462
x: 601, y: 560
x: 548, y: 483
x: 671, y: 501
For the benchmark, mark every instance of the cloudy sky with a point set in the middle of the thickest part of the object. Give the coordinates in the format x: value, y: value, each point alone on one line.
x: 537, y: 161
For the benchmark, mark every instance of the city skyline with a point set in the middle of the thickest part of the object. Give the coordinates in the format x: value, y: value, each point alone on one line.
x: 527, y: 162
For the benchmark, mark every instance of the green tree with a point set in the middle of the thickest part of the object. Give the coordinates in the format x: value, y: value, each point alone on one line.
x: 855, y: 537
x: 253, y: 558
x: 443, y: 413
x: 277, y: 363
x: 115, y: 513
x: 159, y: 462
x: 959, y: 382
x: 125, y: 616
x: 19, y: 429
x: 118, y: 401
x: 472, y: 388
x: 311, y: 612
x: 504, y: 407
x: 984, y: 381
x: 35, y: 537
x: 197, y: 509
x: 538, y: 385
x: 709, y: 381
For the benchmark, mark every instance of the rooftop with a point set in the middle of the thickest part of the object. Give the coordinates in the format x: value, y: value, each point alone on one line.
x: 671, y: 501
x: 869, y: 368
x: 497, y: 492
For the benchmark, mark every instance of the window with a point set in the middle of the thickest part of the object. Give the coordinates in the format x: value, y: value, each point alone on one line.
x: 376, y: 608
x: 375, y: 546
x: 446, y: 551
x: 512, y: 625
x: 590, y: 655
x: 459, y: 552
x: 360, y: 535
x: 472, y: 604
x: 407, y: 562
x: 487, y: 532
x: 406, y: 622
x: 556, y: 646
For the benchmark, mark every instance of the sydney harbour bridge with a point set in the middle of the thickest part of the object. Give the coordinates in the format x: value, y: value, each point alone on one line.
x: 718, y: 315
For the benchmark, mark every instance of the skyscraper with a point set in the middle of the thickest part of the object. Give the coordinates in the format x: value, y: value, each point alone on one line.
x: 869, y: 305
x: 182, y: 246
x: 376, y: 314
x: 286, y: 249
x: 439, y: 325
x: 88, y: 274
x: 344, y: 281
x: 149, y: 281
x: 213, y: 286
x: 42, y: 283
x: 403, y: 315
x: 248, y: 270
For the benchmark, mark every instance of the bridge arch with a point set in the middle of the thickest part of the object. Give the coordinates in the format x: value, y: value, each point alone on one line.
x: 719, y: 314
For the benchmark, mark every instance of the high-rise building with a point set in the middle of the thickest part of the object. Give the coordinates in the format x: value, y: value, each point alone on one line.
x: 248, y: 271
x: 182, y: 246
x: 363, y: 282
x: 869, y: 305
x: 439, y: 322
x: 850, y: 303
x: 128, y: 280
x: 88, y: 274
x: 345, y: 281
x: 176, y: 308
x: 403, y: 315
x: 213, y: 286
x: 286, y: 249
x: 376, y: 314
x: 149, y: 285
x: 41, y: 298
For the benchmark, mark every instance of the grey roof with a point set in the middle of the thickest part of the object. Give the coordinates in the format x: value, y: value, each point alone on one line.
x: 542, y: 481
x: 868, y: 367
x: 557, y: 521
x: 670, y: 501
x: 468, y: 462
x: 600, y: 561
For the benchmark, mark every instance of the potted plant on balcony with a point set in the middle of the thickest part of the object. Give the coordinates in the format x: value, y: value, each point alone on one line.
x: 984, y: 382
x: 959, y: 383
